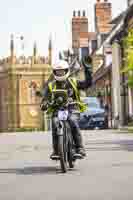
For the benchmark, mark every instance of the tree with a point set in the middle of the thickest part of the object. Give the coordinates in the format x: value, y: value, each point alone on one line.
x: 128, y: 60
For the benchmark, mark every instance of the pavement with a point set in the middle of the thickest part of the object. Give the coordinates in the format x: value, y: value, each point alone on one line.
x: 27, y: 173
x: 126, y: 128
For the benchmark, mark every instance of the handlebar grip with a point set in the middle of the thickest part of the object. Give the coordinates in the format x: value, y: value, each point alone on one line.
x: 50, y: 103
x: 38, y: 94
x: 72, y: 103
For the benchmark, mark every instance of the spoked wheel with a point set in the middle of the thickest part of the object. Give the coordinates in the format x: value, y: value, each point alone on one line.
x: 62, y: 153
x: 70, y: 148
x: 70, y: 155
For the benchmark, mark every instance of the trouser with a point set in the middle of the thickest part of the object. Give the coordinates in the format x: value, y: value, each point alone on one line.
x: 74, y: 129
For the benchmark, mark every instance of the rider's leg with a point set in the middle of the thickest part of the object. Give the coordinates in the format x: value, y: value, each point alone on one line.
x: 54, y: 138
x: 77, y: 137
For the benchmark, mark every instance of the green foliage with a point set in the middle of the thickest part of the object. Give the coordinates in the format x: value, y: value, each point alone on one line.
x: 130, y: 82
x: 128, y: 60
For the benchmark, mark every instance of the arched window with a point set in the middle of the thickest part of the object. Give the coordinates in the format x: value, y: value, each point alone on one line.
x: 32, y: 98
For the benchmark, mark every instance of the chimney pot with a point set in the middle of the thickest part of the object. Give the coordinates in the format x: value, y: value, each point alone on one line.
x: 83, y: 13
x: 79, y: 13
x: 74, y: 13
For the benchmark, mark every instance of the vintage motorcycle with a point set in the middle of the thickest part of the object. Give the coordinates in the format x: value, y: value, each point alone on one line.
x: 66, y: 108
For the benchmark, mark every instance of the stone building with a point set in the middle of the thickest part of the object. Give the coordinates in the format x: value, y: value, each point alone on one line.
x: 3, y: 99
x: 25, y: 76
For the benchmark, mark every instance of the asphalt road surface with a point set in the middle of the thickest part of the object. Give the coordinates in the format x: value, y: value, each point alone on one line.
x: 27, y: 173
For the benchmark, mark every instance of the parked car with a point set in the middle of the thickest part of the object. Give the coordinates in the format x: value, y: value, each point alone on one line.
x: 95, y: 116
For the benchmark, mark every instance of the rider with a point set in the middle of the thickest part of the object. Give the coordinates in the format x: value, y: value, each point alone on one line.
x: 61, y: 73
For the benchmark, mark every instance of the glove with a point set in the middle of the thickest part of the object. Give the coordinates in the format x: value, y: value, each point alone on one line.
x: 44, y: 106
x: 38, y: 94
x: 87, y: 63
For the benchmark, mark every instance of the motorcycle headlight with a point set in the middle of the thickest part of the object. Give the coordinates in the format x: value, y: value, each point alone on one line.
x: 59, y: 100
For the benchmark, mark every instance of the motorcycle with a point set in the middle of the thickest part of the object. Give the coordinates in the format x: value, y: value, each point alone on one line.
x: 65, y: 108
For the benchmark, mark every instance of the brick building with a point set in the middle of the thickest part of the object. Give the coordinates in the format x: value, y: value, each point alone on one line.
x: 103, y: 15
x: 79, y: 30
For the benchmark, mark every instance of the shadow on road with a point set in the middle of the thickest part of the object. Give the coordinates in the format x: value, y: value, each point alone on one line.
x: 109, y: 145
x: 49, y: 170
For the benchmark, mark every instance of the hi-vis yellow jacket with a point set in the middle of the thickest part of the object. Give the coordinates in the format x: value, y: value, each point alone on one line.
x: 73, y: 81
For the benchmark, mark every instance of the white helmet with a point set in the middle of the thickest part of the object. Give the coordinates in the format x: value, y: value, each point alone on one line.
x: 61, y: 71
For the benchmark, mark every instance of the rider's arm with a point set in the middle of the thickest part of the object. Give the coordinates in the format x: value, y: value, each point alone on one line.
x: 88, y: 79
x: 45, y: 94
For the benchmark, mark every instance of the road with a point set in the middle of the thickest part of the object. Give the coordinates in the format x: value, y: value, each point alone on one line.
x: 27, y: 173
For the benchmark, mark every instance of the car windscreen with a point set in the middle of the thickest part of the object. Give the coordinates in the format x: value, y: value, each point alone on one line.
x: 92, y: 103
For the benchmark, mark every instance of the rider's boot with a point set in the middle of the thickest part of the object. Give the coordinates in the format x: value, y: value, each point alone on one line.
x: 80, y: 151
x: 54, y: 155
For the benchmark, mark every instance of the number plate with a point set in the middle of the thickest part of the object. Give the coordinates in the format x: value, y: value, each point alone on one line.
x: 63, y: 115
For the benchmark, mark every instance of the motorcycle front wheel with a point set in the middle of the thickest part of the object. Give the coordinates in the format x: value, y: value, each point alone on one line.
x: 71, y: 161
x: 62, y: 153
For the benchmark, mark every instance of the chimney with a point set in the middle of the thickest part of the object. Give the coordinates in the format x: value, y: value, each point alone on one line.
x: 103, y: 16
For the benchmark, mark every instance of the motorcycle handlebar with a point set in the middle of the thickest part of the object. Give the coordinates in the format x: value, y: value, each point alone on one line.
x: 67, y: 104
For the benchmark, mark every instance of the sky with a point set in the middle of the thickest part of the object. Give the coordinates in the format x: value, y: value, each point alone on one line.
x: 37, y: 20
